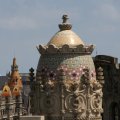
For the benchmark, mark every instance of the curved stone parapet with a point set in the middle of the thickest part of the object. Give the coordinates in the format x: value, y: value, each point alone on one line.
x: 83, y: 49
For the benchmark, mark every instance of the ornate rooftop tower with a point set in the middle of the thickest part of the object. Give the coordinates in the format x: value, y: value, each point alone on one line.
x: 11, y: 100
x: 66, y: 87
x: 15, y: 78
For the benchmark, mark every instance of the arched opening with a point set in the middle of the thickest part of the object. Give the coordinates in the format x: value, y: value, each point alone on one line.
x: 114, y: 111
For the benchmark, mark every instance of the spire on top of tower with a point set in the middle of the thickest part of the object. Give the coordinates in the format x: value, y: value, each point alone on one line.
x: 14, y: 61
x: 14, y: 66
x: 15, y: 78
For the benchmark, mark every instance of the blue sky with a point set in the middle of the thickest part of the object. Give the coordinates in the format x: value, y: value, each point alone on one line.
x: 24, y: 24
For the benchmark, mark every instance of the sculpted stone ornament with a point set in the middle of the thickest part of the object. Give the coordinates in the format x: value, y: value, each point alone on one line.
x: 88, y: 91
x: 71, y: 86
x: 47, y: 87
x: 65, y: 17
x: 75, y: 103
x: 100, y: 76
x: 85, y: 79
x: 46, y: 82
x: 65, y: 25
x: 96, y: 103
x: 54, y: 49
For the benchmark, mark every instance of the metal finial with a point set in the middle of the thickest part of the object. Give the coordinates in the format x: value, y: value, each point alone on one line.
x: 65, y: 18
x: 65, y: 25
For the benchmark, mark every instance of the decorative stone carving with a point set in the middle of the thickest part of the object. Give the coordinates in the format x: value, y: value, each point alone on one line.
x: 65, y: 49
x: 96, y: 103
x: 65, y: 75
x: 100, y: 76
x: 75, y: 103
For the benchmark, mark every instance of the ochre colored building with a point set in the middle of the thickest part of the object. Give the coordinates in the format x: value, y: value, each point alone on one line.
x: 11, y: 107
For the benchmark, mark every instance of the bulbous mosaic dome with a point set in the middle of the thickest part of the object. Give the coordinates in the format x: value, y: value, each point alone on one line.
x: 66, y: 78
x: 65, y: 51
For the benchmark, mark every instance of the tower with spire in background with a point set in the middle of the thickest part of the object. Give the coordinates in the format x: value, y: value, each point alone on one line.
x: 15, y: 78
x: 11, y: 96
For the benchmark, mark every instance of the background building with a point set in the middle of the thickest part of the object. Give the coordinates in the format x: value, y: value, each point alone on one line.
x: 14, y: 100
x: 111, y: 89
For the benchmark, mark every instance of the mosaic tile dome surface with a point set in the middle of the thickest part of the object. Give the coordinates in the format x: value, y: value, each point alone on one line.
x: 72, y: 64
x: 65, y: 37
